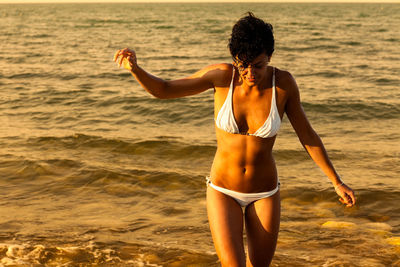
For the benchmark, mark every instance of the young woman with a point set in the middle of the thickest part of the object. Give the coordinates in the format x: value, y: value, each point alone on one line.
x: 250, y: 99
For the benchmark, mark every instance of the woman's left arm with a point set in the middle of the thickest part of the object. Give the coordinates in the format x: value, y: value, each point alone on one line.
x: 310, y: 139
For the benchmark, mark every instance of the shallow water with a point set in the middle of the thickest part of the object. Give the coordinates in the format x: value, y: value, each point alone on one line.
x: 95, y: 171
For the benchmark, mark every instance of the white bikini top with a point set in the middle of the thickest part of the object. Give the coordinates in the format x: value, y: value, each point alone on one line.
x: 226, y: 119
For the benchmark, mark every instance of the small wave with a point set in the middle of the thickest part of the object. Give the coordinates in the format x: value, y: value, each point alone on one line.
x: 86, y: 86
x: 215, y: 31
x: 325, y: 74
x: 167, y: 58
x: 363, y: 15
x: 317, y: 34
x: 363, y: 66
x: 74, y: 141
x: 350, y: 25
x: 290, y: 155
x: 165, y: 27
x: 24, y: 170
x: 387, y: 81
x: 381, y: 201
x: 27, y: 254
x: 106, y: 21
x: 311, y: 47
x: 352, y: 43
x: 320, y: 39
x: 148, y: 21
x: 101, y: 254
x: 39, y: 36
x: 355, y: 110
x: 27, y: 75
x: 173, y: 148
x: 393, y: 40
x: 110, y: 75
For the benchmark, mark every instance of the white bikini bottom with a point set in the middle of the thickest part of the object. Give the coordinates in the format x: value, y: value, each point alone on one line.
x: 243, y: 199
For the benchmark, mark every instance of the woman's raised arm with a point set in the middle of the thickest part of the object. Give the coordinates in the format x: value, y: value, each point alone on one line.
x: 202, y: 80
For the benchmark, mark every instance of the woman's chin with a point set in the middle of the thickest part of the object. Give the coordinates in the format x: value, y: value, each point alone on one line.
x: 251, y: 82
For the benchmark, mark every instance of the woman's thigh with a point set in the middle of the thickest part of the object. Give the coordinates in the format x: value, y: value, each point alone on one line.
x: 225, y: 217
x: 262, y: 226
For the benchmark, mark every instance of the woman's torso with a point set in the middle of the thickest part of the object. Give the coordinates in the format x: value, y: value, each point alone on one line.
x: 244, y: 163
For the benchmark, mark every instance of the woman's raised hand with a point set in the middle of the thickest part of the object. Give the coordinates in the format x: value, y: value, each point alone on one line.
x: 126, y: 58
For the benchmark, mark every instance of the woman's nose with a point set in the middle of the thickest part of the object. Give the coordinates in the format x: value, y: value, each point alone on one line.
x: 251, y: 70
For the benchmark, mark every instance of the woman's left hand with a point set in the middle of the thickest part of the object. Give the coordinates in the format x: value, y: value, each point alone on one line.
x: 346, y: 195
x: 126, y: 58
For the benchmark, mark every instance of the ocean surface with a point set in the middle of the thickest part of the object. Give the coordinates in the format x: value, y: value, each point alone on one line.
x: 96, y: 172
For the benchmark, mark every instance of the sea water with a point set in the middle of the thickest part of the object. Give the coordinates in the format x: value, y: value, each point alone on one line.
x: 95, y: 171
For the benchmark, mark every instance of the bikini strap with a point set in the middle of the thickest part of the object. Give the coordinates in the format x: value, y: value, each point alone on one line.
x: 273, y: 84
x: 233, y: 78
x: 273, y: 77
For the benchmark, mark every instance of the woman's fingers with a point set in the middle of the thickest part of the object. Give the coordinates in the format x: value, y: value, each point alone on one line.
x: 347, y: 203
x: 353, y: 198
x: 116, y: 55
x: 347, y: 200
x: 125, y: 57
x: 121, y: 57
x: 349, y: 195
x: 346, y: 195
x: 123, y: 54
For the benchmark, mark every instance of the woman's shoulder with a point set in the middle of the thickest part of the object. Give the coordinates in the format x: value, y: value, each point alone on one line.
x: 285, y: 80
x: 220, y: 73
x: 222, y: 68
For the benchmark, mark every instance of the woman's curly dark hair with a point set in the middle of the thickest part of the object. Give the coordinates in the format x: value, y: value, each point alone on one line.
x: 251, y: 37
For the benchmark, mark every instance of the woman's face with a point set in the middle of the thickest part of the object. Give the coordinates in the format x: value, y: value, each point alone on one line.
x: 253, y: 73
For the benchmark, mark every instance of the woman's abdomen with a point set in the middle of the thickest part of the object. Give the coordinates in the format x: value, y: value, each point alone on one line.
x: 244, y: 164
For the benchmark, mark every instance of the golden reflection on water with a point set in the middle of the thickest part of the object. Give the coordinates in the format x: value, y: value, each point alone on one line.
x: 95, y: 171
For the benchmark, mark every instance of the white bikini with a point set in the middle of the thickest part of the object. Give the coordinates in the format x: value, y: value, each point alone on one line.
x: 226, y: 122
x: 226, y: 119
x: 244, y: 199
